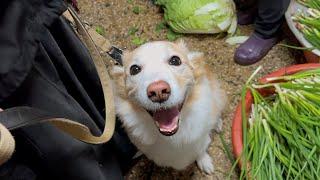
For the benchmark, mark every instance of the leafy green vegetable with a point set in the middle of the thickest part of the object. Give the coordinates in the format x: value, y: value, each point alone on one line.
x: 132, y: 31
x: 315, y: 4
x: 100, y: 30
x: 281, y: 138
x: 236, y: 40
x: 136, y: 10
x: 138, y: 41
x: 172, y: 36
x: 200, y: 16
x: 309, y: 22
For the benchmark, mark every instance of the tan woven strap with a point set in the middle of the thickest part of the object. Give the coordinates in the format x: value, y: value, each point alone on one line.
x: 80, y: 131
x: 75, y: 129
x: 99, y: 41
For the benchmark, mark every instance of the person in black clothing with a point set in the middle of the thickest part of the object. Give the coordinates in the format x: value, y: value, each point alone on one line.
x: 267, y: 16
x: 44, y: 65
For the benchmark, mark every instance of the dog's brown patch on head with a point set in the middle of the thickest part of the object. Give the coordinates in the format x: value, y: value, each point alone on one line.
x: 200, y: 70
x: 119, y: 78
x: 197, y: 64
x: 182, y: 51
x: 199, y: 67
x: 127, y: 58
x: 181, y: 45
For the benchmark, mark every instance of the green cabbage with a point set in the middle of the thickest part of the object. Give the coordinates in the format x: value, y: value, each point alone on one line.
x: 200, y: 16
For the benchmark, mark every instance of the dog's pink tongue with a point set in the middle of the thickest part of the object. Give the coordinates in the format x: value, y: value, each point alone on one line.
x: 167, y: 119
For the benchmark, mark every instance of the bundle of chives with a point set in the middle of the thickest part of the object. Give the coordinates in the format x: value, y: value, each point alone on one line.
x: 315, y: 4
x: 282, y: 140
x: 309, y: 23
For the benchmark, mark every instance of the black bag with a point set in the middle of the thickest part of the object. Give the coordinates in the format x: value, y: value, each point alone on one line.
x: 44, y: 65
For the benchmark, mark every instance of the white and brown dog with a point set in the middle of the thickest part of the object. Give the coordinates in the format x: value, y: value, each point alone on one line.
x: 169, y: 103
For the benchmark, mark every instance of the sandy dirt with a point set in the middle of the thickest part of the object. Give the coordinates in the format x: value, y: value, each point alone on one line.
x: 116, y: 17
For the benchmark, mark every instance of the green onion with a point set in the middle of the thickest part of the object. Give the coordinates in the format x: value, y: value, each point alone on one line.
x: 309, y: 22
x: 282, y: 140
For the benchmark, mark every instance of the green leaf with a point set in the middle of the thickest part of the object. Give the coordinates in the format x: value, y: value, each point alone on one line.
x: 138, y: 41
x: 226, y: 148
x: 160, y: 27
x: 172, y: 36
x: 100, y: 30
x: 136, y: 10
x: 132, y: 31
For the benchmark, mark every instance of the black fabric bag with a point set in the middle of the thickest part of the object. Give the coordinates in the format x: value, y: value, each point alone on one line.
x: 44, y: 65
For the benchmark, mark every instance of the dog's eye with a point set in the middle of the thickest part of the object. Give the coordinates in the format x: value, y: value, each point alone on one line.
x: 175, y: 61
x: 134, y: 69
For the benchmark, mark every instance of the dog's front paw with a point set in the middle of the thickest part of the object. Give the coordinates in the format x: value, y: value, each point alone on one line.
x: 204, y: 162
x: 218, y: 127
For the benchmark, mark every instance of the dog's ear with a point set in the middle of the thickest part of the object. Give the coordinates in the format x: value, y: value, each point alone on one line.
x: 182, y: 45
x: 117, y: 69
x: 126, y: 57
x: 116, y: 72
x: 192, y: 55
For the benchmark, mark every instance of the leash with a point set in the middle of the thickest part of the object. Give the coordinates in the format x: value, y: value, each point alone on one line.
x: 18, y: 117
x: 90, y: 33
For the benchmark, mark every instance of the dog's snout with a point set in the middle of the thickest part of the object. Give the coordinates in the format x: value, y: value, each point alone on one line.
x: 159, y: 91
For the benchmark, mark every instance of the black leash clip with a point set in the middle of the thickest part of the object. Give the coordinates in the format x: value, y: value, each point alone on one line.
x: 116, y: 54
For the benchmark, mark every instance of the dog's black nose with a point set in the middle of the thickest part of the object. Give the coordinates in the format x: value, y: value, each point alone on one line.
x: 159, y: 91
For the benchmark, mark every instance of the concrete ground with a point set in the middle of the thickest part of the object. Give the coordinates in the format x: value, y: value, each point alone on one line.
x: 116, y: 18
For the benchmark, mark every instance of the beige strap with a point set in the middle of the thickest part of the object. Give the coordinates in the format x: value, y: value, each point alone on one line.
x: 106, y: 87
x: 101, y: 42
x: 78, y: 130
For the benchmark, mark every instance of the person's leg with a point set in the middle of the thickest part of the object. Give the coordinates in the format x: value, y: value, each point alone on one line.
x: 246, y: 11
x: 270, y: 17
x: 267, y: 26
x: 243, y: 5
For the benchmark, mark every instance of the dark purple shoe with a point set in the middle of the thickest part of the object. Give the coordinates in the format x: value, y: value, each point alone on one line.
x: 253, y: 50
x: 246, y: 17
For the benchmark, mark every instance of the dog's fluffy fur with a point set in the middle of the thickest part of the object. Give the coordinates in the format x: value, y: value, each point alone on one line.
x: 191, y: 85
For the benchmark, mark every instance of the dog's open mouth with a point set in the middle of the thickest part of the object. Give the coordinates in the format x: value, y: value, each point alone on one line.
x: 167, y: 120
